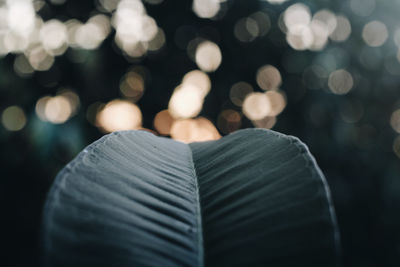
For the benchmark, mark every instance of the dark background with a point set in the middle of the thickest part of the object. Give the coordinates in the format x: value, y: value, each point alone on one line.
x: 357, y: 158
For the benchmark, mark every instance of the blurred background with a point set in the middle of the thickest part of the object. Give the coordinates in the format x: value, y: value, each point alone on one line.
x: 325, y: 71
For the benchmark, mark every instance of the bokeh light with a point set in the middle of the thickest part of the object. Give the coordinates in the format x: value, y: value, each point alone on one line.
x: 395, y: 120
x: 375, y: 33
x: 163, y: 122
x: 208, y: 56
x: 58, y: 109
x: 206, y: 8
x: 199, y: 80
x: 239, y: 91
x: 118, y: 115
x: 132, y: 85
x: 185, y: 102
x: 326, y: 71
x: 268, y: 78
x: 342, y: 30
x: 256, y: 106
x: 194, y: 130
x: 13, y: 118
x: 277, y: 100
x: 340, y: 82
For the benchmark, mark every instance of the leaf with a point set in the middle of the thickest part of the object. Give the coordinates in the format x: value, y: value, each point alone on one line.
x: 252, y: 198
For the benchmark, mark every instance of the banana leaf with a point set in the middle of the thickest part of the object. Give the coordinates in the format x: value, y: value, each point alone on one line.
x: 252, y: 198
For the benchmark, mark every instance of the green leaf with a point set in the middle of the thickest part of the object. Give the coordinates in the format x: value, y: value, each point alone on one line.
x: 252, y: 198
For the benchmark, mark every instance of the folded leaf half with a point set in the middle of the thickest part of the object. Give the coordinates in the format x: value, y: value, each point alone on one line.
x: 252, y: 198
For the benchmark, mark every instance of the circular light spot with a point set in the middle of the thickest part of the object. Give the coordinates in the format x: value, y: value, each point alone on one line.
x: 13, y: 118
x: 239, y: 91
x: 395, y: 120
x: 198, y: 79
x: 342, y: 30
x: 158, y: 41
x: 208, y: 56
x: 327, y: 18
x: 163, y: 122
x: 256, y: 106
x: 320, y: 35
x: 185, y: 102
x: 300, y: 37
x: 278, y: 102
x: 340, y: 82
x: 263, y: 22
x: 375, y: 33
x: 132, y: 86
x: 206, y: 8
x: 54, y: 36
x: 39, y: 59
x: 268, y: 78
x: 295, y: 15
x: 118, y: 115
x: 22, y: 66
x: 73, y: 100
x: 40, y: 106
x: 246, y: 30
x: 57, y: 109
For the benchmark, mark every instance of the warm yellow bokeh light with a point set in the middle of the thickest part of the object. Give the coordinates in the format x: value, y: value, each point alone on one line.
x: 278, y: 102
x: 118, y: 115
x: 295, y: 15
x: 73, y: 100
x: 57, y: 109
x: 266, y: 123
x: 134, y: 28
x: 13, y: 118
x: 208, y: 56
x: 256, y: 106
x: 300, y: 37
x: 185, y: 102
x: 206, y: 8
x: 91, y: 34
x: 268, y: 78
x: 340, y: 82
x: 22, y: 66
x: 194, y: 130
x: 163, y: 122
x: 198, y: 79
x: 54, y: 37
x: 39, y: 59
